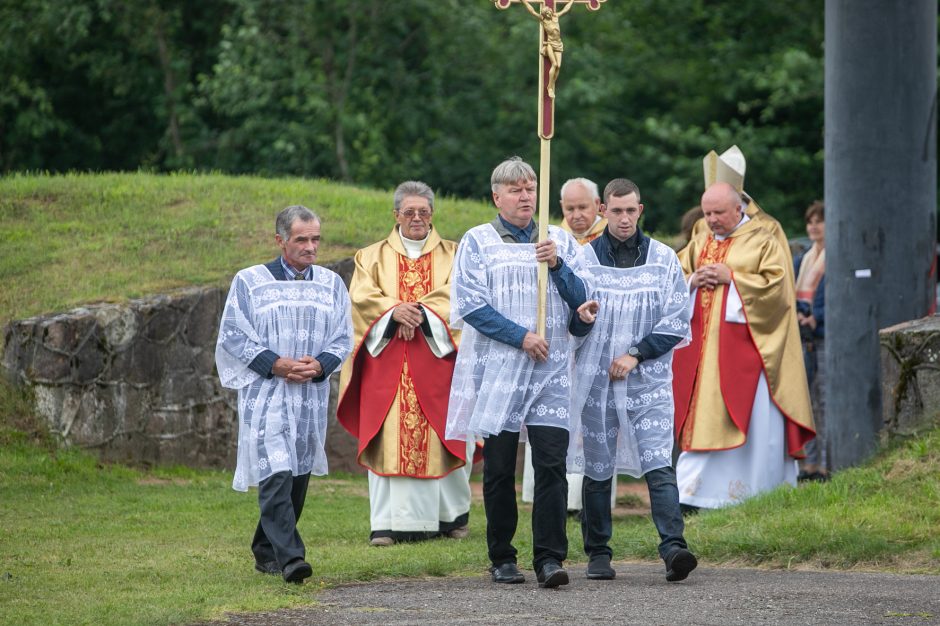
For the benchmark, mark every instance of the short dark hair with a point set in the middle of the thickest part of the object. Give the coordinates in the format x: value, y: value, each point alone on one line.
x: 620, y: 187
x: 816, y: 209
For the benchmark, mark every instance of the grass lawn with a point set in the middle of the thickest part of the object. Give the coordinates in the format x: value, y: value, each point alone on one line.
x: 73, y: 239
x: 85, y: 543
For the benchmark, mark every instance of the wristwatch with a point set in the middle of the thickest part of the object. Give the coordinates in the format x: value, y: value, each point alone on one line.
x: 635, y: 353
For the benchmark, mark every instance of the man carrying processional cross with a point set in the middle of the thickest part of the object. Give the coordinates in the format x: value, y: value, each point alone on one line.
x: 508, y: 379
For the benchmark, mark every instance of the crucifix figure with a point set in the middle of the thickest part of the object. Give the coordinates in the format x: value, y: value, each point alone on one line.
x: 552, y: 46
x: 550, y: 50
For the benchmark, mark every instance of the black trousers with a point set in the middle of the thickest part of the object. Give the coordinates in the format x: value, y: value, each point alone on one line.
x: 549, y: 507
x: 281, y: 500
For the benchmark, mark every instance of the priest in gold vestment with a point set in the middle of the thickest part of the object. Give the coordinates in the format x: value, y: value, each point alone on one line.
x: 742, y: 403
x: 730, y: 167
x: 394, y: 391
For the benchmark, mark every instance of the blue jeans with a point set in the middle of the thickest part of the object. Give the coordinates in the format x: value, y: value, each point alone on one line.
x: 596, y: 524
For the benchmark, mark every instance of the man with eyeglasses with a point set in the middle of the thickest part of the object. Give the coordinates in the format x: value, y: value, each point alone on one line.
x: 507, y: 377
x: 394, y: 390
x: 623, y: 380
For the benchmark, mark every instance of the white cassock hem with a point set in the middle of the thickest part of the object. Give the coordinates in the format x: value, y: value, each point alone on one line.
x: 711, y: 480
x: 398, y: 503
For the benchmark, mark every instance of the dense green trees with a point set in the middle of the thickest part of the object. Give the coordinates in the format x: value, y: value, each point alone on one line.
x: 375, y: 92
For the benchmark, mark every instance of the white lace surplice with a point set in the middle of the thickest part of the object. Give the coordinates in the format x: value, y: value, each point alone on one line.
x: 626, y: 426
x: 497, y: 387
x: 281, y: 425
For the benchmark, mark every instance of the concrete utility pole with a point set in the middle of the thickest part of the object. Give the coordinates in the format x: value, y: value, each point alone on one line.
x: 881, y: 199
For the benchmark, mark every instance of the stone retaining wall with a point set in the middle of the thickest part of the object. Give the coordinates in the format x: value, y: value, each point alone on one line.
x: 137, y: 382
x: 910, y: 375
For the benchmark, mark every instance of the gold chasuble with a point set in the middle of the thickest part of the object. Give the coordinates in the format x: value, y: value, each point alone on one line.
x: 716, y: 376
x: 593, y: 232
x: 395, y: 403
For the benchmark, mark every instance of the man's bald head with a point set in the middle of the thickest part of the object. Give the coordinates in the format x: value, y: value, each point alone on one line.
x: 721, y: 204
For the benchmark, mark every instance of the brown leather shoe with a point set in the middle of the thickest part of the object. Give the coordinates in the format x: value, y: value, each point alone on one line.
x: 459, y: 533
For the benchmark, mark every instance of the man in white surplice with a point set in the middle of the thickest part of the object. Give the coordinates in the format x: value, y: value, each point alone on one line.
x: 623, y: 380
x: 276, y: 318
x: 507, y: 377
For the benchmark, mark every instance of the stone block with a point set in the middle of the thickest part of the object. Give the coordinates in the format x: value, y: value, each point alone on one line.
x: 118, y: 325
x: 90, y: 360
x: 145, y: 365
x: 49, y: 366
x: 202, y: 323
x: 160, y: 321
x: 910, y: 369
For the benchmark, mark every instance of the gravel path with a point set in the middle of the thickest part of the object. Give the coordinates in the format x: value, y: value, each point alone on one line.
x: 639, y: 595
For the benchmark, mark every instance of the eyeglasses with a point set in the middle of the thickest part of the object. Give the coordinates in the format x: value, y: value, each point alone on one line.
x: 410, y: 213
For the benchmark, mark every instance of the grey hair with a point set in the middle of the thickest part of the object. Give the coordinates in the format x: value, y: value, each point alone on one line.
x: 509, y: 171
x: 590, y: 185
x: 286, y: 218
x: 620, y: 187
x: 413, y: 188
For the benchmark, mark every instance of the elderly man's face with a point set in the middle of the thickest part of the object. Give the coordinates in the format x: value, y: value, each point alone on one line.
x: 300, y: 248
x: 722, y: 213
x: 579, y: 207
x: 414, y: 217
x: 516, y: 202
x: 623, y: 212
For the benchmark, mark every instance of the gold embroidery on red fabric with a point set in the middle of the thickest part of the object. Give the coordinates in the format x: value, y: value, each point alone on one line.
x: 413, y: 429
x: 414, y: 282
x: 714, y: 252
x: 414, y: 277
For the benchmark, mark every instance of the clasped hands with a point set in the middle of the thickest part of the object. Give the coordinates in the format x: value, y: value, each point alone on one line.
x: 297, y: 370
x: 409, y: 316
x: 710, y: 276
x: 623, y: 364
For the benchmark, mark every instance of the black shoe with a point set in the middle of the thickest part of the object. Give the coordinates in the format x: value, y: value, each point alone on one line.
x: 552, y: 575
x: 296, y: 571
x: 507, y: 573
x: 268, y: 567
x: 688, y: 509
x: 599, y: 568
x: 679, y: 564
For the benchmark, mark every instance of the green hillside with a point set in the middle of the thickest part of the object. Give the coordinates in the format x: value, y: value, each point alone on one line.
x: 79, y: 238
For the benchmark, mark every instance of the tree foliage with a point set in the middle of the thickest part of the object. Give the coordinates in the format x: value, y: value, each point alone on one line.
x: 376, y: 92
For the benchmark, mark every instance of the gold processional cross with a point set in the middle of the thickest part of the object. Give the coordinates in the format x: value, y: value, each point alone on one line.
x: 550, y: 52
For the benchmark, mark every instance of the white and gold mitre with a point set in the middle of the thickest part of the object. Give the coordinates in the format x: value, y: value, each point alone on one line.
x: 728, y: 168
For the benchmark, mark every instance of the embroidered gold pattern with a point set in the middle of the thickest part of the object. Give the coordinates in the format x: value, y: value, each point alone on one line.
x: 714, y: 252
x: 414, y: 282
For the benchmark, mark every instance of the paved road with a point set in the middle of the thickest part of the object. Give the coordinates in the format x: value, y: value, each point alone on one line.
x: 639, y: 595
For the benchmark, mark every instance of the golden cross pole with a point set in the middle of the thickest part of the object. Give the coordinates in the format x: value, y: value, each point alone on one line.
x: 550, y: 53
